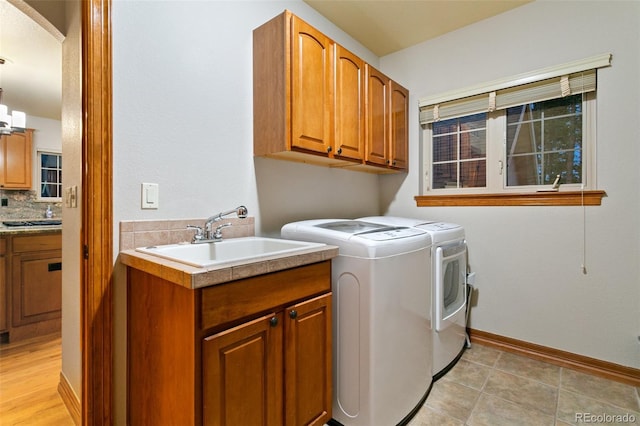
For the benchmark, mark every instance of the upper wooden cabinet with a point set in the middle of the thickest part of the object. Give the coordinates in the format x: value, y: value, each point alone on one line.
x: 349, y: 105
x: 387, y: 121
x: 15, y: 160
x: 311, y: 88
x: 310, y: 97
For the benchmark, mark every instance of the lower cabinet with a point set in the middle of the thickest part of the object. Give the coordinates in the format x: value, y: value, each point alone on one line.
x: 260, y: 354
x: 30, y: 285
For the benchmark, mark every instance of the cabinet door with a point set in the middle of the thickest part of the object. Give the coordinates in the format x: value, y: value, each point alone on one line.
x: 377, y: 117
x: 399, y: 126
x: 242, y: 374
x: 349, y: 115
x: 15, y: 161
x: 308, y: 362
x: 37, y: 287
x: 311, y: 88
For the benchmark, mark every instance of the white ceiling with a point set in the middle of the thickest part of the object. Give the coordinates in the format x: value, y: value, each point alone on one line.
x: 386, y: 26
x: 32, y: 75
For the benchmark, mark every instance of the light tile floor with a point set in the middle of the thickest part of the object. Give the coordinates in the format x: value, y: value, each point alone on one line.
x: 494, y: 388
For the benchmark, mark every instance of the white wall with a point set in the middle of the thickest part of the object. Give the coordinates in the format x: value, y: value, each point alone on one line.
x: 528, y: 259
x: 182, y: 107
x: 72, y: 217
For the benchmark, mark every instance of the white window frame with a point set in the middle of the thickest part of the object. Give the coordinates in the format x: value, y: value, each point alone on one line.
x: 482, y: 98
x: 39, y: 160
x: 496, y: 156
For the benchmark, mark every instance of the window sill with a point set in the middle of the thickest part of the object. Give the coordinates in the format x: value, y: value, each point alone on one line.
x: 561, y: 198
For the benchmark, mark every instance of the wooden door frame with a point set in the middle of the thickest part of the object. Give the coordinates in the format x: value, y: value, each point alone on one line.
x: 97, y: 214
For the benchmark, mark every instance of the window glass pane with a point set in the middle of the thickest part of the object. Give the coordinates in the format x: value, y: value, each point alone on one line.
x: 445, y: 175
x: 454, y: 142
x: 471, y: 122
x: 50, y: 175
x: 473, y: 174
x: 544, y: 139
x: 473, y: 144
x: 445, y: 148
x: 524, y: 138
x: 446, y: 126
x: 49, y: 160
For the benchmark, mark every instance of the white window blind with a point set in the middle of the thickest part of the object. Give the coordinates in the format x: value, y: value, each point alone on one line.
x: 550, y: 83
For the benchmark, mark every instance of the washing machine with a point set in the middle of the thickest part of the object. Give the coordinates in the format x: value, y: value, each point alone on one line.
x: 382, y: 358
x: 449, y: 283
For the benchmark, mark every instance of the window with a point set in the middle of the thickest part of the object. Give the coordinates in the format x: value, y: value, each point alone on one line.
x: 507, y: 137
x: 50, y: 176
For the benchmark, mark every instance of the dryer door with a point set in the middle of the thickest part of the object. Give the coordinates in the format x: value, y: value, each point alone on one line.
x: 449, y: 285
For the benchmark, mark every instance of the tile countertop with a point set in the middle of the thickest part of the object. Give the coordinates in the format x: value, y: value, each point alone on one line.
x: 193, y: 277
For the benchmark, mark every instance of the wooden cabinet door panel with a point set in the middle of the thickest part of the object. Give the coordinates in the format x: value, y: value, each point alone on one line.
x: 308, y: 362
x: 37, y: 287
x: 242, y: 374
x: 349, y: 104
x: 311, y: 76
x: 377, y: 117
x: 16, y: 159
x: 399, y: 126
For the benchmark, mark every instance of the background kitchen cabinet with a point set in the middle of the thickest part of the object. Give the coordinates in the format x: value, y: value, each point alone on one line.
x: 36, y: 271
x: 15, y: 160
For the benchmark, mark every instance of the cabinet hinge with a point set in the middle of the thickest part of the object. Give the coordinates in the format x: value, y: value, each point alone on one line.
x: 85, y: 251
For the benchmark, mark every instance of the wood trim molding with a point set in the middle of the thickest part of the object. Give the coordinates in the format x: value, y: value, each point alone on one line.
x: 608, y: 370
x: 70, y: 399
x: 560, y: 198
x: 97, y: 215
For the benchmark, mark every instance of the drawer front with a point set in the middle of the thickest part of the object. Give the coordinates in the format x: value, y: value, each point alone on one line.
x: 29, y: 243
x: 239, y: 299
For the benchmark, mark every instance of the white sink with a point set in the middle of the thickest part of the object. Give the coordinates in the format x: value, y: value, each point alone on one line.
x: 229, y: 252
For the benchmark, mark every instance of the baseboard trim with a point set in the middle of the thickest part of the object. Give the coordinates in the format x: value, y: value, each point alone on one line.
x: 70, y: 399
x: 608, y: 370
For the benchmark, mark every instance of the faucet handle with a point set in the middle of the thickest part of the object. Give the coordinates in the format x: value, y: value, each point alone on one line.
x: 199, y: 235
x: 218, y: 233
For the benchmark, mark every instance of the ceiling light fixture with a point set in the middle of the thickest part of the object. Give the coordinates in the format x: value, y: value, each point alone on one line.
x: 9, y: 123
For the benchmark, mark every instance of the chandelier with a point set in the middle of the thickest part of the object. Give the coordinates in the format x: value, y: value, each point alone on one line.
x: 9, y: 123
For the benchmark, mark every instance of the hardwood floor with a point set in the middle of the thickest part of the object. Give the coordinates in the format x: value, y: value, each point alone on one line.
x: 29, y: 376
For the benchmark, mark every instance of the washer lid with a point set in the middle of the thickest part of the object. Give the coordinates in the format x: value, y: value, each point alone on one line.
x: 353, y: 226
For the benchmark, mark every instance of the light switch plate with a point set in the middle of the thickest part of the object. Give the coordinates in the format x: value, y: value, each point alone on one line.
x: 150, y: 192
x: 71, y: 197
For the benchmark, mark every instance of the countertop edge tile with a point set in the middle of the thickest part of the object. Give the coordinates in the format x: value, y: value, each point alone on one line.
x: 194, y: 277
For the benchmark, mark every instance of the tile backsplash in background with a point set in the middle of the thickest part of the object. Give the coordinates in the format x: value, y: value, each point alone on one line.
x: 25, y: 205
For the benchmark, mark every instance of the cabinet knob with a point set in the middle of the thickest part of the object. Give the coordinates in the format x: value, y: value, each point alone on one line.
x: 293, y: 314
x: 329, y: 149
x: 273, y: 321
x: 339, y: 151
x: 387, y: 161
x: 394, y: 163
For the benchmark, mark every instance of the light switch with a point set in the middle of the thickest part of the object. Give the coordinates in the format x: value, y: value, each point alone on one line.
x: 150, y: 196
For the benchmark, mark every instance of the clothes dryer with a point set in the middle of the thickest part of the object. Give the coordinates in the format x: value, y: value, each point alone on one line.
x: 449, y: 284
x: 381, y: 354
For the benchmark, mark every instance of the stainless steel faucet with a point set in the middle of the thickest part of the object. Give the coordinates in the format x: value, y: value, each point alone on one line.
x: 208, y: 234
